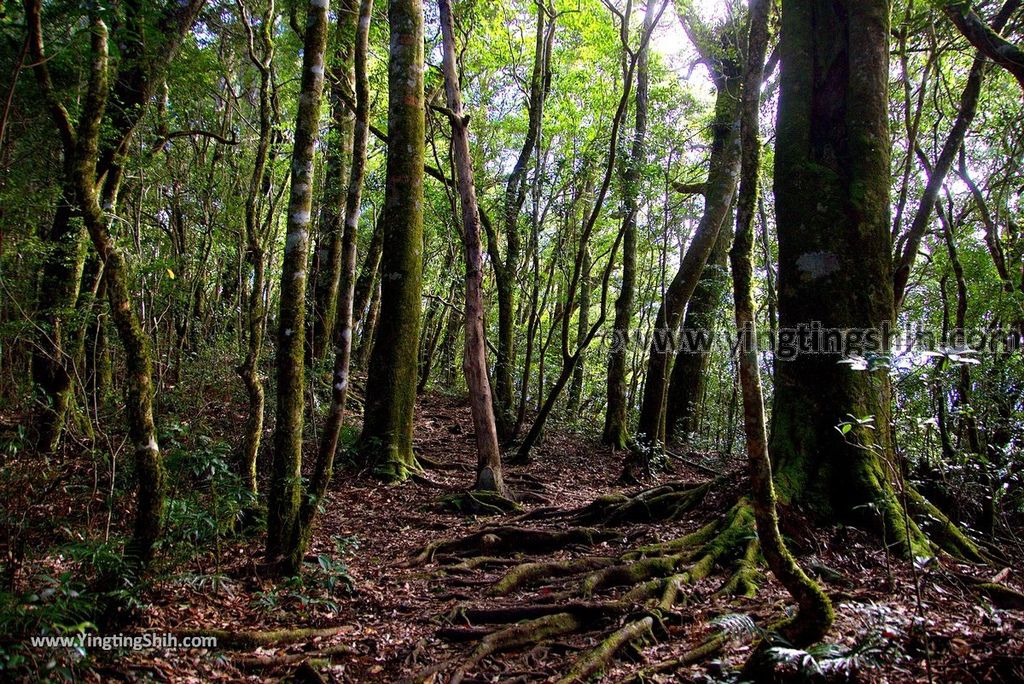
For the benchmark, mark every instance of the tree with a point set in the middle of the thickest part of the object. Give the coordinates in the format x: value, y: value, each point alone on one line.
x: 93, y: 169
x: 329, y: 256
x: 488, y: 471
x: 723, y: 170
x: 284, y: 503
x: 815, y: 610
x: 831, y: 435
x: 386, y: 440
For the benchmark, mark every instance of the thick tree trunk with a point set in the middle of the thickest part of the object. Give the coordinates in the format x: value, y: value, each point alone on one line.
x: 723, y: 169
x: 685, y: 396
x: 616, y: 421
x: 285, y: 496
x: 835, y: 265
x: 488, y: 472
x: 386, y: 440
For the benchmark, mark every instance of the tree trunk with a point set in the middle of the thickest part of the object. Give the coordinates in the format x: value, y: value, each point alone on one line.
x: 835, y: 266
x: 386, y: 441
x: 718, y: 195
x: 815, y: 614
x: 324, y: 469
x: 488, y: 471
x: 582, y: 328
x: 329, y: 258
x: 256, y: 238
x: 687, y: 379
x: 506, y: 270
x: 616, y: 421
x: 285, y: 496
x: 58, y: 288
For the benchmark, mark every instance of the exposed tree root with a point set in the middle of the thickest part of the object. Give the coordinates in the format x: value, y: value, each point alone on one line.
x: 479, y: 502
x: 524, y: 633
x: 664, y: 502
x: 268, y: 662
x: 527, y: 574
x: 249, y: 640
x: 598, y: 658
x: 511, y: 540
x: 638, y: 589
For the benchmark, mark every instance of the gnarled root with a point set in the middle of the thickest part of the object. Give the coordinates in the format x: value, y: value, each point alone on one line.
x: 598, y: 658
x: 489, y: 541
x: 521, y: 634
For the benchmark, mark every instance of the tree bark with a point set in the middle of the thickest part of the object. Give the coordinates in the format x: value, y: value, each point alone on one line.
x: 256, y: 238
x: 835, y: 266
x: 815, y: 610
x: 324, y: 469
x: 685, y: 393
x: 488, y: 471
x: 285, y: 496
x: 329, y: 257
x: 386, y: 440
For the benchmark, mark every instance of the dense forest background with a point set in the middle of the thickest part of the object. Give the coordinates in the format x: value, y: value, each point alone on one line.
x: 513, y: 340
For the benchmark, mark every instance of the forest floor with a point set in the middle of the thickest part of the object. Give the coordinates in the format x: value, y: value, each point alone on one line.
x: 397, y: 622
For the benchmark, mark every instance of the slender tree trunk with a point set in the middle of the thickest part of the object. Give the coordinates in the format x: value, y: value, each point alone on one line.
x: 386, y: 441
x: 86, y: 163
x: 815, y: 610
x: 369, y: 329
x: 285, y: 496
x: 506, y: 270
x: 488, y: 471
x: 58, y: 289
x: 256, y: 237
x: 582, y: 328
x: 329, y: 257
x: 911, y: 242
x: 616, y: 422
x: 324, y: 469
x: 364, y: 288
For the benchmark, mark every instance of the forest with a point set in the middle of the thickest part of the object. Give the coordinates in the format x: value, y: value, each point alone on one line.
x: 511, y: 341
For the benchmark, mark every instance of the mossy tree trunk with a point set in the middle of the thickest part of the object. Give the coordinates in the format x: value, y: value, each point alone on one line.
x: 616, y: 421
x: 386, y: 440
x: 488, y: 472
x: 285, y: 496
x: 329, y: 256
x: 259, y: 208
x: 328, y: 447
x: 582, y: 328
x: 723, y: 169
x: 835, y: 265
x: 815, y: 610
x: 683, y: 402
x: 94, y: 147
x: 58, y: 288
